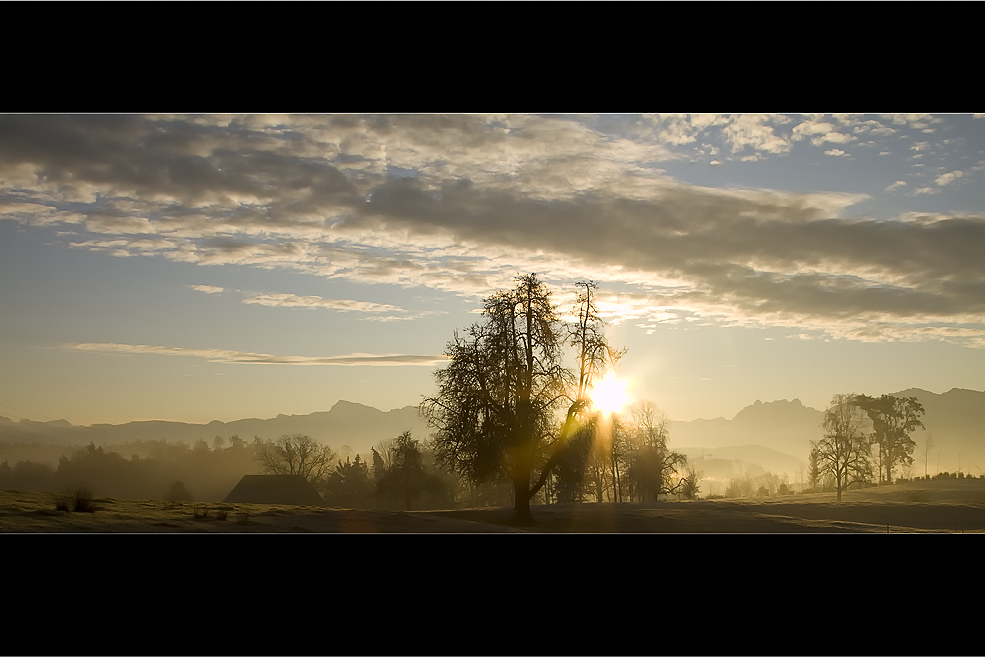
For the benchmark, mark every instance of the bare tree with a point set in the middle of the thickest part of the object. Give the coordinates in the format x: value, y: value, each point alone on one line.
x: 928, y: 446
x: 843, y: 450
x: 654, y: 469
x: 296, y: 455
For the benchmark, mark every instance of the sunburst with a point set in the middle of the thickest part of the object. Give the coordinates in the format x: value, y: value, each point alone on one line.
x: 609, y: 395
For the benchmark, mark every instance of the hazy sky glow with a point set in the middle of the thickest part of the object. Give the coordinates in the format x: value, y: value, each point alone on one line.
x: 148, y: 263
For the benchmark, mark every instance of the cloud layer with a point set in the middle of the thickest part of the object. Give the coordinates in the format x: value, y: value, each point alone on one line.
x: 461, y: 203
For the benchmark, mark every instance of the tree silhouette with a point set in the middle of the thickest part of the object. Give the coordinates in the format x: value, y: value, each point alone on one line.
x: 349, y: 485
x: 496, y: 399
x: 296, y: 454
x: 654, y: 469
x: 814, y: 469
x: 843, y: 451
x: 893, y: 420
x: 178, y: 492
x: 406, y: 478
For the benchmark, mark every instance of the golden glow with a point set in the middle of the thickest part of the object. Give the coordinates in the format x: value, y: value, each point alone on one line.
x: 609, y: 395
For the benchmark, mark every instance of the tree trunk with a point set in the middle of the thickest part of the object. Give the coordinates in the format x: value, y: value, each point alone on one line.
x: 521, y: 488
x: 521, y: 500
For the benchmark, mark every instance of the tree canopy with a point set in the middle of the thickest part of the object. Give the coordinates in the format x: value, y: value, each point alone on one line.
x: 893, y: 420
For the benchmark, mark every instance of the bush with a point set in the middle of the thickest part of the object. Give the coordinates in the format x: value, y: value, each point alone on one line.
x: 80, y: 500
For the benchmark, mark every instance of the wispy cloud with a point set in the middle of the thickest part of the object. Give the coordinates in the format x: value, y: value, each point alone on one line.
x: 226, y: 356
x: 207, y: 289
x: 343, y: 305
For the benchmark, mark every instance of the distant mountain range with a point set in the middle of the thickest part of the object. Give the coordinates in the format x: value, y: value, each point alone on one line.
x: 774, y: 435
x: 955, y: 419
x: 347, y: 423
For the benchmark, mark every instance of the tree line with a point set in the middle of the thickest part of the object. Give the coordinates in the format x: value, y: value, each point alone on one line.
x: 402, y: 474
x: 141, y: 470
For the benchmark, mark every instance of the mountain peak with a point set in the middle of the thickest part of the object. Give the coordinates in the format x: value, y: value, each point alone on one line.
x: 780, y: 407
x: 344, y: 406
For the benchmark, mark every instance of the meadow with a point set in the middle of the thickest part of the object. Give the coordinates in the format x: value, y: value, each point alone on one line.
x: 937, y: 506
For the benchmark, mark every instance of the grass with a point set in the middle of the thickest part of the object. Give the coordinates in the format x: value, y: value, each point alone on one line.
x: 936, y: 506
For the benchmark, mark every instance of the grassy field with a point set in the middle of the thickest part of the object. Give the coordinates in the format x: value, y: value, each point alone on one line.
x: 950, y: 506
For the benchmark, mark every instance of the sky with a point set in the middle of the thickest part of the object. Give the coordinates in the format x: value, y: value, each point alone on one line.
x: 216, y: 267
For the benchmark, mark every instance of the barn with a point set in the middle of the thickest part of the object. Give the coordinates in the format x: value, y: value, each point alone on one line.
x: 275, y: 489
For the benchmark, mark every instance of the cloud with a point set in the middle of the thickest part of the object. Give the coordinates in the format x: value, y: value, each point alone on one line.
x: 755, y: 131
x: 340, y: 305
x: 837, y: 152
x: 461, y: 203
x: 896, y: 185
x: 948, y: 178
x: 343, y: 305
x: 226, y: 356
x: 820, y: 130
x: 207, y: 289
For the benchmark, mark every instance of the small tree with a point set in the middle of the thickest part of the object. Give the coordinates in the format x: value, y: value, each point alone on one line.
x: 814, y: 473
x: 349, y: 485
x: 178, y: 492
x: 406, y: 479
x: 690, y: 483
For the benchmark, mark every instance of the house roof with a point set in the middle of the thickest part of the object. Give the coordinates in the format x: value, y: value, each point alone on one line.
x: 275, y: 489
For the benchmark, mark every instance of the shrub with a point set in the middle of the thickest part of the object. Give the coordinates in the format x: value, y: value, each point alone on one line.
x: 80, y: 500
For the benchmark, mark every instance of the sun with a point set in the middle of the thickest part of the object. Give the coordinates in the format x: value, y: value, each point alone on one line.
x: 609, y: 395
